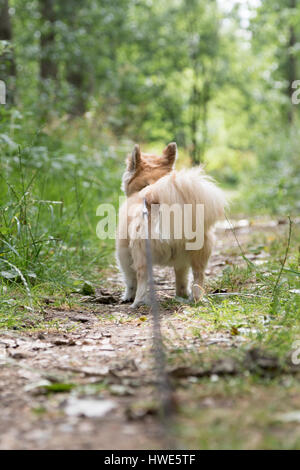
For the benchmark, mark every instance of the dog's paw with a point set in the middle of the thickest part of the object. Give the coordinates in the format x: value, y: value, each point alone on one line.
x: 126, y: 299
x: 128, y: 296
x: 139, y: 303
x: 197, y: 293
x: 183, y: 294
x: 183, y: 300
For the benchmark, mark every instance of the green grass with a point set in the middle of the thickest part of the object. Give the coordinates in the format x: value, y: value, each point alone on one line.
x: 51, y: 184
x: 267, y: 298
x: 260, y: 309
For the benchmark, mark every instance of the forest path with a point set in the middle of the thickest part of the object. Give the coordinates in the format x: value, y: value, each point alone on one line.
x: 86, y: 381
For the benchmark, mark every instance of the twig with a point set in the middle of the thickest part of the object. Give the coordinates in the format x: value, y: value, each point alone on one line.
x: 239, y: 294
x: 23, y: 280
x: 283, y: 262
x: 239, y: 245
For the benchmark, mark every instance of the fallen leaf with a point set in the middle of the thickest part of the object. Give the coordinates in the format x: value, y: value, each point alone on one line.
x: 58, y: 387
x: 139, y: 410
x: 80, y: 318
x: 20, y: 353
x: 185, y: 371
x: 226, y: 366
x: 87, y: 288
x: 261, y: 361
x: 234, y: 331
x: 95, y: 371
x: 290, y: 417
x: 63, y: 342
x: 121, y: 390
x: 89, y: 408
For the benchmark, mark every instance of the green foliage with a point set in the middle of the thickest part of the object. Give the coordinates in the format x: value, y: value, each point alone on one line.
x: 275, y: 180
x: 49, y: 194
x: 216, y: 78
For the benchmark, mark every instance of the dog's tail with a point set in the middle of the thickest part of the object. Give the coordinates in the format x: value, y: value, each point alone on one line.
x: 190, y: 186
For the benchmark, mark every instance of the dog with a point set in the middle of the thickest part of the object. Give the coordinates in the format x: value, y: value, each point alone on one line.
x: 152, y: 180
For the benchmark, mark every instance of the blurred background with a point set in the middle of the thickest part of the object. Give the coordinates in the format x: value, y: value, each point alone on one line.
x: 86, y: 79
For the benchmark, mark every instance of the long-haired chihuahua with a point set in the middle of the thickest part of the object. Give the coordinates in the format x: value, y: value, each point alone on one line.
x: 152, y: 179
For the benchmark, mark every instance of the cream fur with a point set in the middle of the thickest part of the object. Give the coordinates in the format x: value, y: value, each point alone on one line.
x: 190, y: 186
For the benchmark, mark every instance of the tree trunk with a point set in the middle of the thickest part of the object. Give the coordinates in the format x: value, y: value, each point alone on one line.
x: 7, y: 61
x: 194, y: 121
x: 48, y: 64
x: 291, y: 64
x: 75, y: 77
x: 204, y: 114
x: 199, y: 113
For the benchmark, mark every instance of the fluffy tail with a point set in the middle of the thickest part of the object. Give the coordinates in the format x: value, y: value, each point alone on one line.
x: 190, y: 186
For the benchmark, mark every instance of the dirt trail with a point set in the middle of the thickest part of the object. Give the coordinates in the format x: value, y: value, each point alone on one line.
x: 86, y: 381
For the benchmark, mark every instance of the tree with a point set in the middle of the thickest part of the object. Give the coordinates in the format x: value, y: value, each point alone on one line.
x: 7, y: 61
x: 48, y: 61
x: 275, y: 28
x: 291, y: 60
x: 79, y: 50
x: 197, y: 29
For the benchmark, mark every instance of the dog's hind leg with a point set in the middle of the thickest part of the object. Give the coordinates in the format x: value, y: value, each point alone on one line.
x: 140, y: 265
x: 181, y: 274
x: 199, y: 260
x: 125, y: 262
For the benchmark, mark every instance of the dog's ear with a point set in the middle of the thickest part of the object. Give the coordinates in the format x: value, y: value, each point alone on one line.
x: 170, y: 153
x: 133, y: 161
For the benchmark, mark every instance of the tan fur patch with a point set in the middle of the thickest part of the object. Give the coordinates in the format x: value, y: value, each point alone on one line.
x: 151, y: 169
